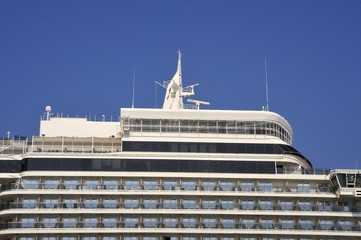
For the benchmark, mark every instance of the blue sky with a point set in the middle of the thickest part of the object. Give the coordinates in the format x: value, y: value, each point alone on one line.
x: 79, y: 56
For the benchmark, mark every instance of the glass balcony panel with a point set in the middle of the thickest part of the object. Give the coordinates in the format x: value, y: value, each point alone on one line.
x: 209, y: 204
x: 170, y: 204
x: 89, y: 238
x: 48, y: 238
x: 150, y: 185
x: 131, y: 203
x: 108, y: 238
x: 286, y: 205
x: 27, y: 222
x: 303, y: 187
x: 248, y: 204
x: 189, y: 203
x: 266, y: 223
x: 30, y: 184
x: 169, y: 185
x: 110, y: 222
x: 210, y: 222
x: 49, y: 222
x: 90, y: 222
x: 110, y: 203
x: 51, y: 184
x: 132, y: 185
x: 324, y: 206
x: 68, y: 238
x: 304, y: 206
x: 90, y: 203
x: 326, y: 224
x: 131, y: 238
x: 227, y: 204
x: 265, y: 187
x: 91, y: 184
x: 188, y: 185
x: 170, y: 222
x: 69, y: 222
x: 189, y: 222
x: 266, y: 205
x: 150, y: 222
x: 51, y: 203
x: 208, y: 185
x: 29, y: 203
x: 306, y: 224
x: 248, y: 223
x: 345, y: 225
x: 110, y: 184
x: 131, y: 222
x: 287, y: 224
x: 70, y: 203
x: 71, y: 184
x: 228, y: 223
x: 227, y: 185
x: 150, y: 203
x: 247, y: 186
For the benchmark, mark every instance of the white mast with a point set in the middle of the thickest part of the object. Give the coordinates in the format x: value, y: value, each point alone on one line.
x: 173, y: 97
x: 265, y: 69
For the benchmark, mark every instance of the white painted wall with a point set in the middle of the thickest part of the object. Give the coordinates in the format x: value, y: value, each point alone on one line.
x: 78, y: 127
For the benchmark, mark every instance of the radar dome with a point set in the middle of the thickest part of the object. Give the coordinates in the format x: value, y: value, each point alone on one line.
x: 47, y: 109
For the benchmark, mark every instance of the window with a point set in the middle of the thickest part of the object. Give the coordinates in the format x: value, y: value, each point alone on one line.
x: 108, y: 238
x: 68, y: 238
x: 48, y: 238
x: 89, y: 238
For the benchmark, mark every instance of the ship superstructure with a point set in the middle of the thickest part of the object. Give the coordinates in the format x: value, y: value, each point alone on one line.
x: 172, y: 173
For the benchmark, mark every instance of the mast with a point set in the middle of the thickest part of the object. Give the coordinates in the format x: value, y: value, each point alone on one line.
x: 173, y: 98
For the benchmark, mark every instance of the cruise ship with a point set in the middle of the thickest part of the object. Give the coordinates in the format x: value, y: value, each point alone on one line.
x: 179, y: 173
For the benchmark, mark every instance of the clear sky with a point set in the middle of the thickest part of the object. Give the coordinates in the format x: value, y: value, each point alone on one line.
x: 79, y: 56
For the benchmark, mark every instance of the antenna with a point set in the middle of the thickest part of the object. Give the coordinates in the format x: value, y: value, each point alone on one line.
x: 133, y: 87
x: 265, y: 69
